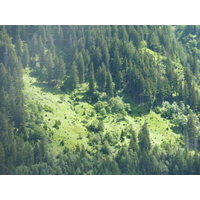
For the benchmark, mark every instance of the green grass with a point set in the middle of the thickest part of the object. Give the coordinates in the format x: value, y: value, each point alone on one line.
x: 74, y: 120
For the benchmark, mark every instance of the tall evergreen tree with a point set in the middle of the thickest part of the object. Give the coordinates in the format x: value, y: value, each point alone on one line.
x: 133, y: 141
x: 91, y: 80
x: 59, y: 70
x: 74, y: 76
x: 18, y: 45
x: 109, y: 85
x: 191, y: 133
x: 25, y: 57
x: 49, y: 63
x: 81, y: 67
x: 143, y: 137
x: 2, y: 160
x: 101, y: 78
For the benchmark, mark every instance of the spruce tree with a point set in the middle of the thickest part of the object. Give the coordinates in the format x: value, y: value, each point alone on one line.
x: 105, y: 55
x: 91, y: 80
x: 143, y: 137
x: 133, y: 141
x: 109, y: 85
x: 81, y: 68
x: 18, y: 45
x: 33, y: 48
x: 25, y: 57
x: 191, y: 133
x: 49, y: 67
x: 74, y: 76
x: 101, y: 78
x: 59, y: 69
x: 2, y: 159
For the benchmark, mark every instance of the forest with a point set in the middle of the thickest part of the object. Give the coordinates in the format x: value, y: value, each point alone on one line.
x: 99, y: 100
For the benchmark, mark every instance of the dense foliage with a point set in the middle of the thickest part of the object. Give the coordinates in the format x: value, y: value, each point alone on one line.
x: 156, y: 66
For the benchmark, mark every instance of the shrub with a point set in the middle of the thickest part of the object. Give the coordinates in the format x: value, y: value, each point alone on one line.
x: 117, y: 104
x: 62, y: 143
x: 48, y: 109
x: 57, y: 124
x: 103, y: 112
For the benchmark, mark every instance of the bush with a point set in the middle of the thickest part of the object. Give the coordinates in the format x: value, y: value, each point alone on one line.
x: 100, y: 126
x: 103, y: 112
x: 117, y: 105
x: 62, y: 143
x: 48, y: 109
x: 99, y: 105
x: 93, y: 126
x: 57, y: 124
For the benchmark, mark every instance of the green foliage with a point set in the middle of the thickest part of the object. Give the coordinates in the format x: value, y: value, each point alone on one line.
x: 57, y: 124
x: 74, y: 76
x: 152, y: 65
x: 143, y: 137
x: 91, y: 80
x: 117, y: 105
x: 103, y: 112
x: 109, y: 85
x: 48, y: 109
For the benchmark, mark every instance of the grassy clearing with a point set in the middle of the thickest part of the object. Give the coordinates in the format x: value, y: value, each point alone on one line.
x: 76, y: 115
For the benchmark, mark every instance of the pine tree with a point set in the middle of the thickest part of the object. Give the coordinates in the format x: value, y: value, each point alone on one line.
x: 59, y: 69
x: 193, y: 97
x: 101, y: 78
x: 74, y: 76
x: 133, y: 141
x: 119, y: 80
x: 81, y: 68
x: 91, y: 80
x: 97, y: 58
x: 33, y: 48
x: 105, y: 55
x: 18, y: 45
x: 42, y: 58
x: 2, y: 159
x: 143, y: 137
x: 191, y: 133
x: 25, y: 57
x: 49, y: 67
x: 109, y: 85
x: 186, y: 94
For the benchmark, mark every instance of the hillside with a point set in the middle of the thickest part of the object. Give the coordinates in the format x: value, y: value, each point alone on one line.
x: 99, y: 99
x: 75, y: 116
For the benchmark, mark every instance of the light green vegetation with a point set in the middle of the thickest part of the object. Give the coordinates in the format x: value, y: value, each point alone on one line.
x: 63, y: 110
x: 75, y: 114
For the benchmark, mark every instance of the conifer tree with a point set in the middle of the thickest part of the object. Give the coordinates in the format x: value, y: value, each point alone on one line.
x: 193, y: 98
x: 119, y: 80
x: 143, y: 137
x: 2, y: 159
x: 42, y: 58
x: 18, y: 45
x: 81, y: 68
x: 97, y: 58
x: 133, y: 141
x: 59, y: 69
x: 91, y: 80
x: 25, y: 57
x: 49, y: 67
x: 191, y: 133
x: 101, y: 78
x: 105, y: 55
x: 74, y: 76
x: 33, y: 48
x: 109, y: 85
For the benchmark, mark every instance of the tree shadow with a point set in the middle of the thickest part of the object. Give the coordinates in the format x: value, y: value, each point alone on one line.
x: 176, y: 129
x: 45, y: 88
